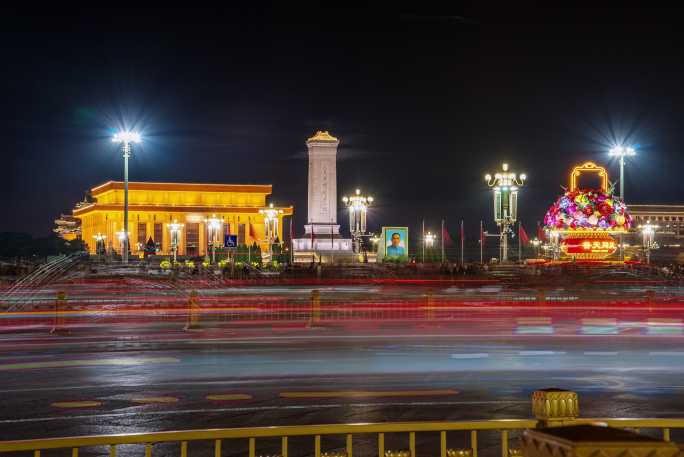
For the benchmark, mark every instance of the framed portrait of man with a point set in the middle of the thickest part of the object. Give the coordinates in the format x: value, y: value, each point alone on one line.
x: 396, y: 242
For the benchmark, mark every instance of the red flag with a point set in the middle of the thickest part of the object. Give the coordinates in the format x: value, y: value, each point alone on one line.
x: 252, y: 232
x: 524, y: 239
x: 541, y: 233
x: 445, y: 236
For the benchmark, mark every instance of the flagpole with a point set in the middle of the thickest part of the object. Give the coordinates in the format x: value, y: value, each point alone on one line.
x: 519, y: 244
x: 481, y: 242
x: 423, y: 248
x: 291, y: 238
x: 442, y: 240
x: 462, y: 242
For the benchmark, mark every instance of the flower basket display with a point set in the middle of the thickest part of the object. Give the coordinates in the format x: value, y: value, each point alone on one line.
x: 586, y: 219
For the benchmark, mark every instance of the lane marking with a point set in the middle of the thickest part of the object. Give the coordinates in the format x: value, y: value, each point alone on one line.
x: 535, y: 353
x: 482, y: 355
x: 76, y: 404
x: 601, y: 353
x: 150, y: 400
x: 534, y: 321
x: 403, y: 354
x: 271, y: 339
x: 258, y: 408
x: 664, y: 353
x: 121, y: 361
x: 368, y: 393
x: 663, y: 321
x: 229, y: 397
x: 609, y: 321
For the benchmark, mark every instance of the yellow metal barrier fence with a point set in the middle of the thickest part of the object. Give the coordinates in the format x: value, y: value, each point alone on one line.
x: 503, y: 426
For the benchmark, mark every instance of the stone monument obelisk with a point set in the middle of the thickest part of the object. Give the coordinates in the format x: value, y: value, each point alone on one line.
x: 322, y: 241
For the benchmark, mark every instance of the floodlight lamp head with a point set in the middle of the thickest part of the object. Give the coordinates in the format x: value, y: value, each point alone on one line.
x: 126, y: 137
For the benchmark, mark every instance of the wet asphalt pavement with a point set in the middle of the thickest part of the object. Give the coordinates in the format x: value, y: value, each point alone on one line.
x: 141, y: 376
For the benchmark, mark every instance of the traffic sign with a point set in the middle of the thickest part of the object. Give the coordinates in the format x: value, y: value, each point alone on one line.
x: 230, y: 241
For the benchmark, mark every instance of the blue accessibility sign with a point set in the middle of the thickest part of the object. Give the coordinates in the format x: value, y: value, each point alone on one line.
x: 230, y: 241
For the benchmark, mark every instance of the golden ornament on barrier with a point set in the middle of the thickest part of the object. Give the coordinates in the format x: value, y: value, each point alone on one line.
x: 459, y: 452
x: 555, y: 405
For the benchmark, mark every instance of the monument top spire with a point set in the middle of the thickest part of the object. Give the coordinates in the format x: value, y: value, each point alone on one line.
x: 322, y: 135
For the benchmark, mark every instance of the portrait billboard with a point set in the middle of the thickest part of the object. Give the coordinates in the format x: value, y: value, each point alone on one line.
x: 396, y: 242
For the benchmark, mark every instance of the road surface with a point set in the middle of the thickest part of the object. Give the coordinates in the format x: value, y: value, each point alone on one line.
x: 109, y: 376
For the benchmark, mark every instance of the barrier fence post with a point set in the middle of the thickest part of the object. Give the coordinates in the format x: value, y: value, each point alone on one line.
x: 315, y: 306
x: 193, y: 311
x: 430, y: 304
x: 60, y: 302
x: 555, y: 407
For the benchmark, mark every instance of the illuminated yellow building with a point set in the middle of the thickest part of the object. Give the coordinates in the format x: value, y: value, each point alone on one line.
x: 152, y: 206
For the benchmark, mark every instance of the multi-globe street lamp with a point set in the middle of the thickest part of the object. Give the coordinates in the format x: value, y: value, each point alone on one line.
x: 648, y: 239
x: 505, y: 186
x: 358, y: 209
x: 126, y: 140
x: 375, y: 240
x: 554, y: 239
x: 214, y: 225
x: 99, y: 243
x: 271, y: 225
x: 175, y: 230
x: 536, y: 242
x: 430, y: 240
x: 122, y: 236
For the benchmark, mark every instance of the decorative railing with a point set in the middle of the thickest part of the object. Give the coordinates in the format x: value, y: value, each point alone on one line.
x: 552, y: 407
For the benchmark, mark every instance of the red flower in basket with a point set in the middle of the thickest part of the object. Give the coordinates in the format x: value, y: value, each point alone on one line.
x: 605, y: 209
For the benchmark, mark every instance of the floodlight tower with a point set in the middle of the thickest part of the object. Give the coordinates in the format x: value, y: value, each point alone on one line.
x: 126, y: 140
x: 505, y: 186
x: 622, y: 152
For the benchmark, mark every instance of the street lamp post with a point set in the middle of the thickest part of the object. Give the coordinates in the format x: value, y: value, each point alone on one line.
x: 175, y: 229
x: 554, y: 237
x: 648, y: 239
x: 428, y: 242
x: 622, y: 152
x: 122, y: 236
x: 536, y: 243
x: 99, y: 243
x: 126, y: 140
x: 358, y: 208
x: 505, y: 186
x: 271, y: 225
x: 375, y: 240
x: 214, y: 225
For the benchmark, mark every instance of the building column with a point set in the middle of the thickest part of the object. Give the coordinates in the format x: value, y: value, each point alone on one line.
x: 166, y: 240
x: 202, y: 239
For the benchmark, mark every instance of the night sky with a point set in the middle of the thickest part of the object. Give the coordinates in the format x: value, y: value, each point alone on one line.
x: 423, y: 105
